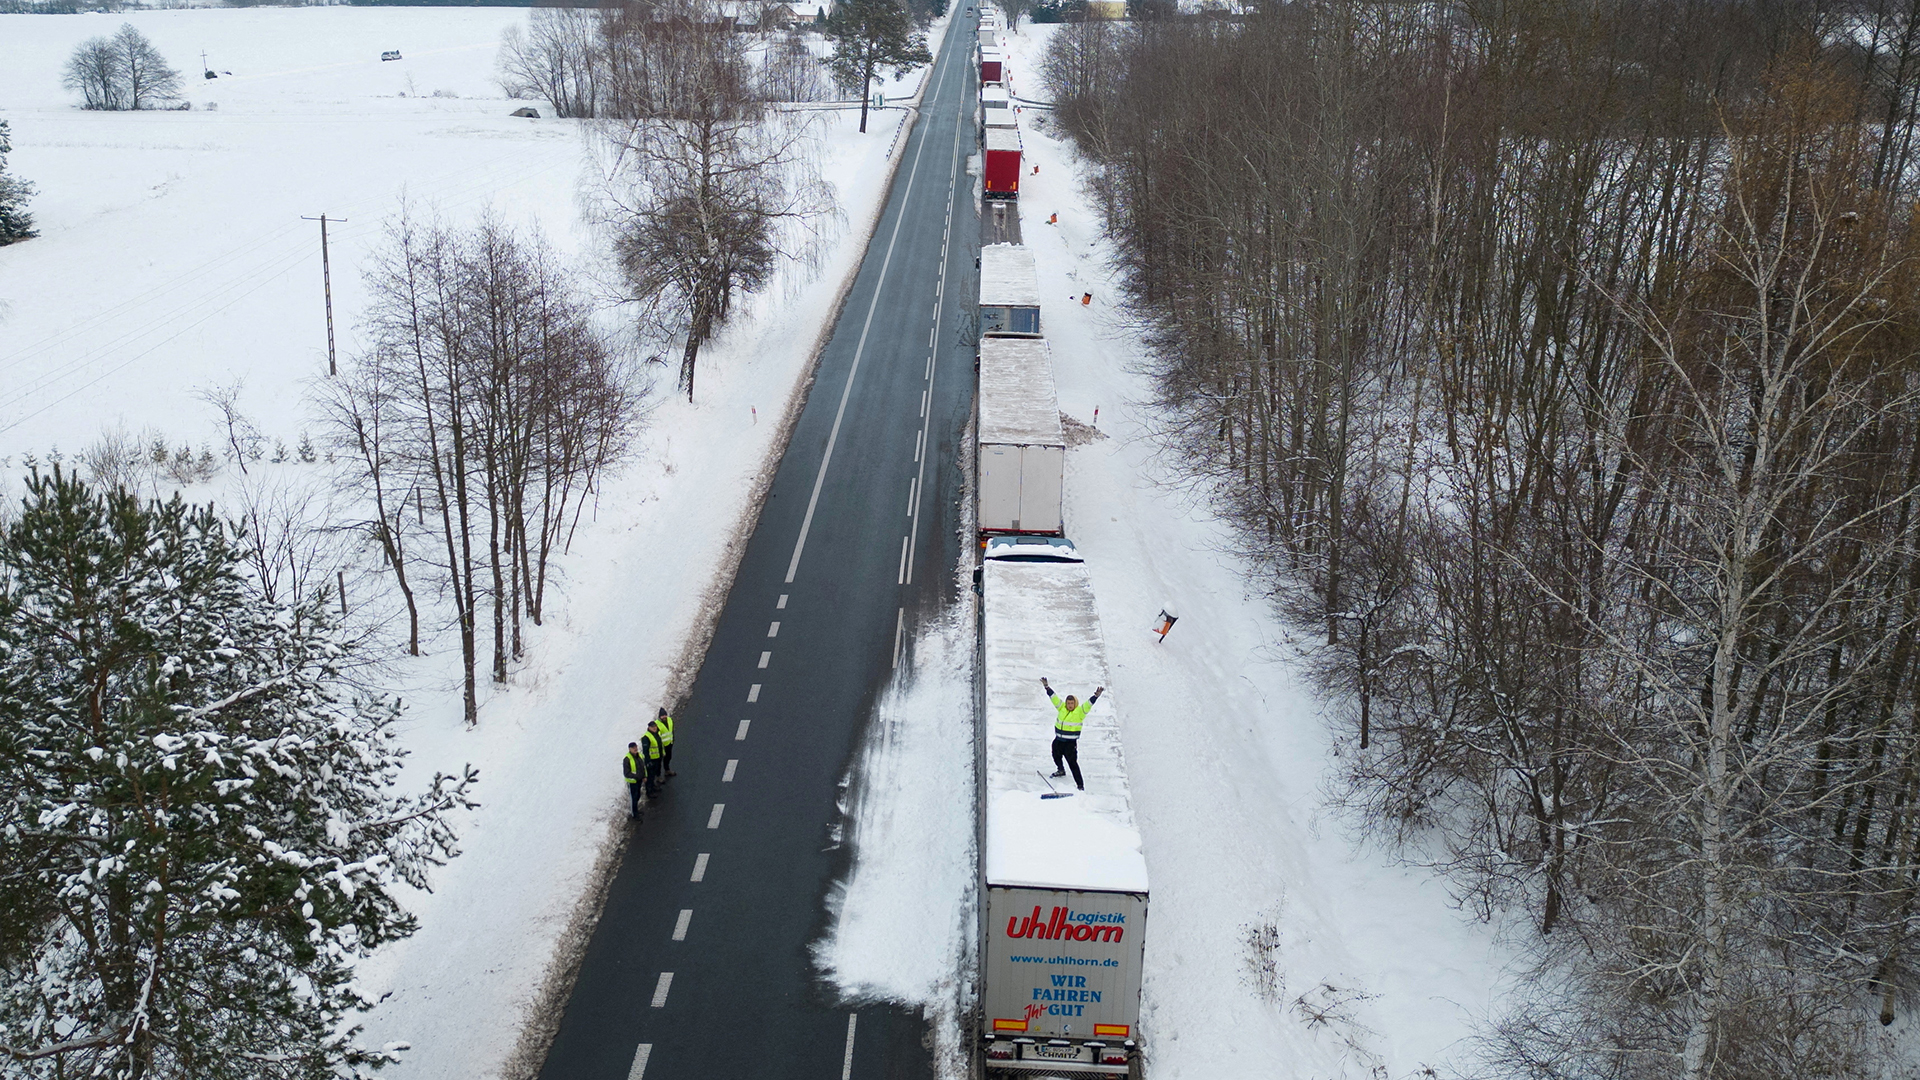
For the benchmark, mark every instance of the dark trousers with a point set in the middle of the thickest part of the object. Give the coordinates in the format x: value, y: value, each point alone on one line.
x: 653, y: 776
x: 666, y: 759
x: 633, y: 797
x: 1068, y: 750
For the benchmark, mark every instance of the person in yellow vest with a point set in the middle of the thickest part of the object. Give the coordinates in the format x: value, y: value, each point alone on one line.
x: 651, y: 750
x: 666, y: 742
x: 634, y: 767
x: 1069, y: 716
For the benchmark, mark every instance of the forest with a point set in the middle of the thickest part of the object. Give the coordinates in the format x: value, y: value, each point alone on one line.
x: 1557, y: 361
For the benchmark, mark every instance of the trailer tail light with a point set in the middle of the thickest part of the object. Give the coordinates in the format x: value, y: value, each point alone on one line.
x: 1000, y: 1051
x: 1113, y: 1055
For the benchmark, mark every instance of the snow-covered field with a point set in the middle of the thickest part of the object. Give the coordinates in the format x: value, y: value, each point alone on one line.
x: 173, y: 257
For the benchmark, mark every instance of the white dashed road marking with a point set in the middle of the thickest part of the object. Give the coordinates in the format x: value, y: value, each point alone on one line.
x: 753, y: 693
x: 741, y: 735
x: 640, y: 1057
x: 713, y: 819
x: 732, y: 764
x: 680, y: 925
x: 764, y: 657
x: 660, y: 989
x: 699, y: 866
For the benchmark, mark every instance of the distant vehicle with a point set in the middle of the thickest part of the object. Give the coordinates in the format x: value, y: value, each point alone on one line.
x: 390, y: 54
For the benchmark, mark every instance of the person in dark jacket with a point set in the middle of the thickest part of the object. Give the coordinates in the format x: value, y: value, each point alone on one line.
x: 633, y: 766
x: 666, y: 742
x: 1069, y: 716
x: 650, y: 751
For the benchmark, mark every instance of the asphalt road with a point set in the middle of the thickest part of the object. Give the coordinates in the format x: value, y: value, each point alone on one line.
x: 699, y: 967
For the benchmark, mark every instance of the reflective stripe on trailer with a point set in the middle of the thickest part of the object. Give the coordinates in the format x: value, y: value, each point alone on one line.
x: 1115, y: 1030
x: 1009, y: 1025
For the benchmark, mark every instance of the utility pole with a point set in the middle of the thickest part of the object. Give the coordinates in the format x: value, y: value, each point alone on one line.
x: 326, y: 285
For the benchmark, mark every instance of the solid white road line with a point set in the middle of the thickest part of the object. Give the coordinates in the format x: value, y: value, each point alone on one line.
x: 846, y: 1066
x: 713, y: 819
x: 833, y: 435
x: 782, y: 603
x: 640, y: 1057
x: 680, y: 924
x: 753, y: 693
x: 774, y: 630
x: 741, y: 735
x: 660, y: 989
x: 699, y: 867
x: 732, y: 764
x: 764, y: 657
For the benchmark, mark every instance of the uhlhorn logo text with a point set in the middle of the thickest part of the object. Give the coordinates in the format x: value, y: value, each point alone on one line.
x: 1064, y: 925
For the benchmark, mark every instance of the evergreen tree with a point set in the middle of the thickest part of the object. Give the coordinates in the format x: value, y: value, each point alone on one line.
x: 15, y: 222
x: 198, y: 832
x: 873, y: 36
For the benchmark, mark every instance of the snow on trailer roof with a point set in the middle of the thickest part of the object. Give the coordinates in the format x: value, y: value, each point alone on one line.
x: 1007, y: 277
x: 994, y: 97
x: 1018, y: 405
x: 1039, y: 620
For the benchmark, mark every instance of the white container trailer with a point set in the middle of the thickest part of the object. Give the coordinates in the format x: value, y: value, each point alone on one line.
x: 1009, y: 291
x: 995, y: 97
x: 1064, y: 877
x: 1023, y: 453
x: 1004, y: 119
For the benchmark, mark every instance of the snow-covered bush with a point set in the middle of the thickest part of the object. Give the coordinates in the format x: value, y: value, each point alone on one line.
x: 198, y: 826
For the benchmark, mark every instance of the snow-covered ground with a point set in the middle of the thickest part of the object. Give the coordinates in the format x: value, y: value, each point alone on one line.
x: 1278, y: 946
x: 173, y: 258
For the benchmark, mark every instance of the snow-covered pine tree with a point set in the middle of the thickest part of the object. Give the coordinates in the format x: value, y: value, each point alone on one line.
x: 199, y: 827
x: 15, y: 222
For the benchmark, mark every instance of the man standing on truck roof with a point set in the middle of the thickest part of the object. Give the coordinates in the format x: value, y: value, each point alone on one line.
x: 635, y: 769
x: 666, y: 743
x: 1070, y: 715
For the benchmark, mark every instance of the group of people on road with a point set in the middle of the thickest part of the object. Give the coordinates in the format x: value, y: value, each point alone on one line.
x: 648, y: 762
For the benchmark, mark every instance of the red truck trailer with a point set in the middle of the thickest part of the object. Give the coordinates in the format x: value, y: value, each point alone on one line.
x: 992, y: 63
x: 1002, y: 165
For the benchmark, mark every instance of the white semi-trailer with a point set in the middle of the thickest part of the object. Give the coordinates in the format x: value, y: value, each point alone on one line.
x: 1023, y: 451
x: 1064, y: 881
x: 1009, y: 284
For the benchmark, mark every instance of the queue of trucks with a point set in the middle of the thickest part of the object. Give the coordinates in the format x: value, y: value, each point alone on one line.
x: 1063, y: 875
